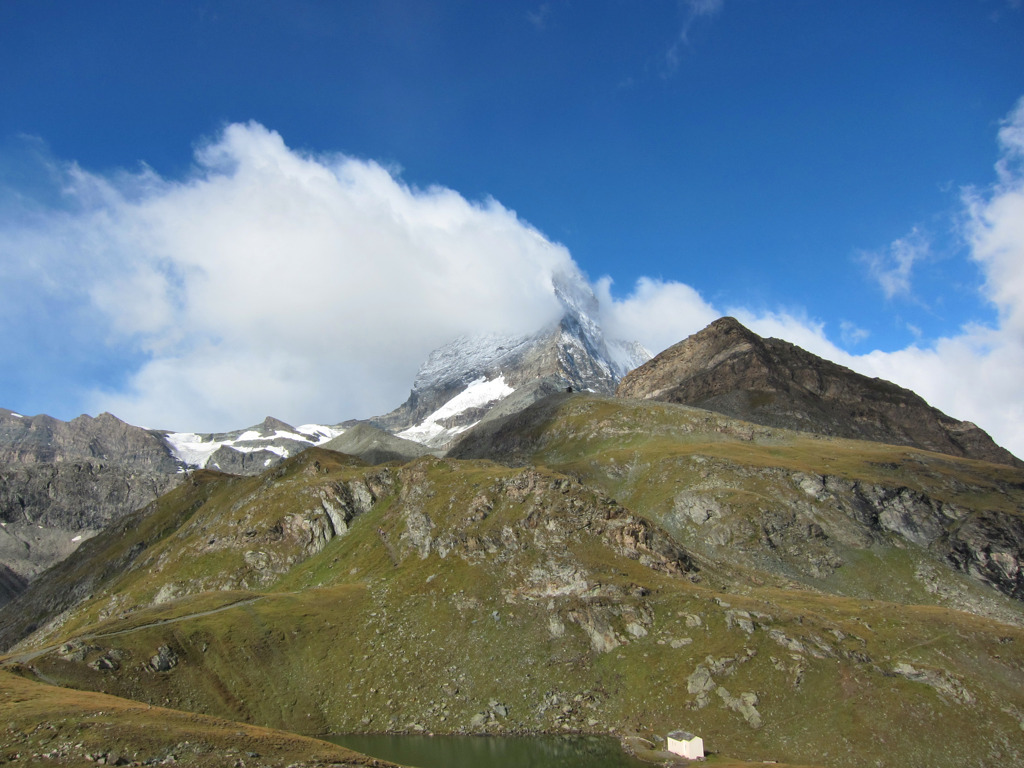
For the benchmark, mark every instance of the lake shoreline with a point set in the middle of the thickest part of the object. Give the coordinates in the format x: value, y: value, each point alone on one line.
x: 588, y: 748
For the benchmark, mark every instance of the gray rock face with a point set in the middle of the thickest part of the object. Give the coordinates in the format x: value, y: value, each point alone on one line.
x: 947, y: 685
x: 61, y: 482
x: 729, y: 369
x: 164, y: 660
x: 47, y: 510
x: 986, y: 545
x: 105, y: 439
x: 990, y: 547
x: 234, y: 462
x: 375, y: 446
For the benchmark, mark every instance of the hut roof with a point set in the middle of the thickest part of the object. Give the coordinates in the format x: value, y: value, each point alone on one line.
x: 681, y: 735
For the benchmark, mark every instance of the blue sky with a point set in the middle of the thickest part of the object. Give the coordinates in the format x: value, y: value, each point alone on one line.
x: 826, y: 171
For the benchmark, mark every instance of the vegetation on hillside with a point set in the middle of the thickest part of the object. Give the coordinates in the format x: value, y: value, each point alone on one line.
x: 602, y: 566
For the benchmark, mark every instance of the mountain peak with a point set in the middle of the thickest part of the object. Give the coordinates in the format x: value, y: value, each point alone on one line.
x: 270, y: 425
x: 730, y: 369
x: 462, y: 381
x: 726, y: 324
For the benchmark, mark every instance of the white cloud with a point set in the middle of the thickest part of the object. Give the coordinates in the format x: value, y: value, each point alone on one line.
x: 852, y: 334
x: 276, y: 282
x: 312, y: 287
x: 995, y: 228
x: 657, y: 314
x: 892, y: 267
x: 692, y: 10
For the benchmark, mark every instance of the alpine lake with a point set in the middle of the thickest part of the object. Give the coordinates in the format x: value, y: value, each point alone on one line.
x: 493, y: 751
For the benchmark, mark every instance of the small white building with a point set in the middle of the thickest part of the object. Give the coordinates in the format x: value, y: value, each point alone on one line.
x: 686, y: 744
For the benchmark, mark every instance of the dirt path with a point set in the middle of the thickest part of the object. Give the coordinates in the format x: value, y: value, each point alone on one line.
x: 27, y: 656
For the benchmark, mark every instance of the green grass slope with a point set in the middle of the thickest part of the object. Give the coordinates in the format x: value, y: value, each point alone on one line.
x: 46, y: 725
x: 844, y: 516
x: 575, y: 594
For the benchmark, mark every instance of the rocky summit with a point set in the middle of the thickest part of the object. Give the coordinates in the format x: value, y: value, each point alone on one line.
x: 729, y: 369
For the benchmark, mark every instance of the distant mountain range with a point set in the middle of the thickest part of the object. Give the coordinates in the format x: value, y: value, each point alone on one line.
x: 62, y: 482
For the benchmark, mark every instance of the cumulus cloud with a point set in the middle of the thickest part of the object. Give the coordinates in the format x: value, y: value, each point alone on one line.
x: 274, y: 281
x: 995, y: 227
x: 656, y: 313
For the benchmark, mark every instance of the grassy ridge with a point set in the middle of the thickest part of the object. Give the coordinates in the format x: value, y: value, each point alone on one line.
x: 477, y: 597
x: 58, y: 726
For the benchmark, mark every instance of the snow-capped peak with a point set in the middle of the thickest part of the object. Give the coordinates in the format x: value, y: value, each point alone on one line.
x: 571, y: 353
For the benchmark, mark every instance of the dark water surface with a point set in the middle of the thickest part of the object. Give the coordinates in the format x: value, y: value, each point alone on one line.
x: 493, y: 751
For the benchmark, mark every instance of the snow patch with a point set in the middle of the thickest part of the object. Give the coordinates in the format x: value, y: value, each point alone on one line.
x: 466, y: 358
x: 479, y: 393
x: 319, y: 432
x: 626, y: 356
x: 191, y: 449
x: 194, y: 450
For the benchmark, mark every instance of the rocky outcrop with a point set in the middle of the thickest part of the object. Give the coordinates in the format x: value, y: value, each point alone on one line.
x: 990, y: 547
x: 235, y: 462
x: 164, y: 660
x: 271, y: 547
x: 551, y: 510
x: 729, y: 369
x: 986, y: 545
x: 544, y: 513
x: 943, y: 682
